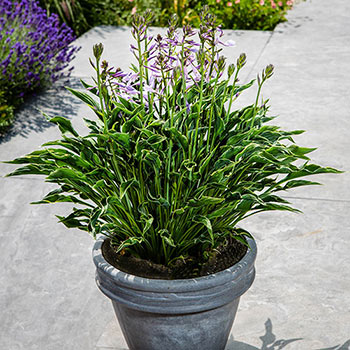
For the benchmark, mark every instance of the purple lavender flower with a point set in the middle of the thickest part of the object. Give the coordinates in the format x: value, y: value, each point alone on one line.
x: 31, y: 41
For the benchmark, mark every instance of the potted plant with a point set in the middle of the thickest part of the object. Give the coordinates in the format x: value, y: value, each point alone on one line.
x: 164, y: 176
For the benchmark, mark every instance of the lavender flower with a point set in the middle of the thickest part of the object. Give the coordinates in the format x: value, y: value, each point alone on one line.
x: 35, y: 48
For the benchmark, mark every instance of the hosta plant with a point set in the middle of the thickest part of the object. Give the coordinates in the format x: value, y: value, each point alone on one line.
x: 169, y: 167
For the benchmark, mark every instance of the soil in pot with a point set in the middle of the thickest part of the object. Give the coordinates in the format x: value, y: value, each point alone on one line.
x: 224, y: 257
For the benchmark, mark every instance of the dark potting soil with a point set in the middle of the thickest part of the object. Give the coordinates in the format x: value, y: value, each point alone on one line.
x: 224, y: 257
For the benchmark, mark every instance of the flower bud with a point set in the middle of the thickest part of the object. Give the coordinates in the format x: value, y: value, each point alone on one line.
x: 148, y: 15
x: 221, y: 63
x: 173, y: 21
x: 231, y: 69
x: 241, y: 61
x: 104, y: 64
x: 269, y: 71
x: 97, y: 50
x: 177, y: 73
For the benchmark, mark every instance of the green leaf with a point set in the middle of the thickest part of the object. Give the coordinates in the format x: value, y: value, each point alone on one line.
x: 298, y: 183
x: 201, y: 219
x: 59, y: 198
x: 205, y: 201
x: 274, y: 206
x: 122, y: 139
x: 164, y: 234
x: 66, y: 174
x: 180, y: 138
x: 84, y: 97
x: 126, y: 185
x: 147, y: 220
x: 64, y: 125
x: 31, y: 169
x: 130, y: 242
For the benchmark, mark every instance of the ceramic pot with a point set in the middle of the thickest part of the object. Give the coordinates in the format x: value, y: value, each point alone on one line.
x: 187, y: 314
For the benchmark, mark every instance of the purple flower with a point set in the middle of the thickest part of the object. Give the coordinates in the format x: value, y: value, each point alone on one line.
x: 32, y: 40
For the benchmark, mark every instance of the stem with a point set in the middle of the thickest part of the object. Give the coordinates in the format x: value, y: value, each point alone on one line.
x: 199, y: 105
x: 105, y: 129
x: 231, y: 94
x: 140, y: 67
x: 211, y: 112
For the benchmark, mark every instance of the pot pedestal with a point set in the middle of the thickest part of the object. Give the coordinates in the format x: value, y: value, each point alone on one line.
x: 191, y: 314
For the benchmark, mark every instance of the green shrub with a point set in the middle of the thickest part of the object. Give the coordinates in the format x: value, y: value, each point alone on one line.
x: 82, y: 15
x: 249, y: 14
x: 6, y: 113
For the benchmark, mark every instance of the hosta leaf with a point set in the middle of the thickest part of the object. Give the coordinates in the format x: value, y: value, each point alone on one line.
x: 300, y: 151
x: 85, y: 98
x: 93, y: 224
x: 158, y: 200
x: 147, y: 220
x: 298, y: 183
x: 220, y: 212
x: 274, y: 206
x: 205, y: 201
x: 156, y: 139
x: 206, y: 222
x: 152, y: 159
x: 58, y: 198
x: 219, y: 125
x: 188, y: 164
x: 64, y: 125
x: 273, y: 198
x: 164, y: 234
x: 92, y: 89
x: 130, y: 242
x: 244, y: 87
x: 126, y: 185
x: 66, y: 174
x: 76, y: 219
x: 204, y: 164
x: 31, y: 169
x: 135, y: 121
x: 311, y: 169
x: 99, y: 183
x: 122, y: 139
x: 180, y: 138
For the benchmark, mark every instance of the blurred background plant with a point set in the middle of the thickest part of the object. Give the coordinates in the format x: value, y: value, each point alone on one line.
x: 6, y: 112
x: 35, y: 52
x: 82, y: 15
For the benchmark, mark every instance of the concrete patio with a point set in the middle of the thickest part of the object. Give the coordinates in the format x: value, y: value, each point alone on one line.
x: 300, y: 299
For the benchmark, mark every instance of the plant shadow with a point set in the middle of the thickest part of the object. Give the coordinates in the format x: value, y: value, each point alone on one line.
x: 28, y: 117
x: 270, y: 342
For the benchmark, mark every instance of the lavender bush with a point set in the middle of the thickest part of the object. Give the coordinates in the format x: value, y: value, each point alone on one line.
x: 35, y: 49
x: 169, y: 167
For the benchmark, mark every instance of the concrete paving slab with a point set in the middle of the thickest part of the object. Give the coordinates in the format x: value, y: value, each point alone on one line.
x: 48, y: 297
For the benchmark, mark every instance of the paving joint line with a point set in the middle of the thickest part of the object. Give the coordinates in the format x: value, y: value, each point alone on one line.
x: 259, y: 56
x: 320, y: 199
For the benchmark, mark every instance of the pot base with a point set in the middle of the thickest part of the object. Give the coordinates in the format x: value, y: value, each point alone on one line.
x: 207, y: 330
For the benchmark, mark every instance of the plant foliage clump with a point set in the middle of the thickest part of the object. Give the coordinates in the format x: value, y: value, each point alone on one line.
x: 169, y: 166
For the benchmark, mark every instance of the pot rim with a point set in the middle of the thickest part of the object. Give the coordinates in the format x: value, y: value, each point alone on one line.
x: 235, y: 272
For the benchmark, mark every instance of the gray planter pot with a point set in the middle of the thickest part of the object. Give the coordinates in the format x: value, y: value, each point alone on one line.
x: 192, y: 314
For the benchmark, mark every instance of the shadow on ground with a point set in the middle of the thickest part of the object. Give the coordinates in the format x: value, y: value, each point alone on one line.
x: 29, y: 117
x: 269, y: 342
